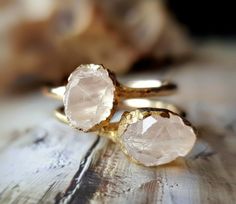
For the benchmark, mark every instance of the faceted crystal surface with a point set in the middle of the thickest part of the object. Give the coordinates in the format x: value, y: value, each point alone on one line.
x: 158, y: 140
x: 89, y: 96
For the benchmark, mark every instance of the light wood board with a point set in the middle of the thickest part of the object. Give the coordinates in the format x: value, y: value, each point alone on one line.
x: 44, y: 161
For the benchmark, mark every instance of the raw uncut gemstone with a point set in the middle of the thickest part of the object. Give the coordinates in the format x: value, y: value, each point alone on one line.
x: 89, y: 96
x: 157, y: 140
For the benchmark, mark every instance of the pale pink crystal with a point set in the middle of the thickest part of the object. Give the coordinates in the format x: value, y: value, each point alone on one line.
x: 157, y: 140
x: 89, y: 96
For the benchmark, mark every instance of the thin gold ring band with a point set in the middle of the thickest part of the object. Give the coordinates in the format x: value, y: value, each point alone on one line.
x: 133, y: 89
x: 109, y: 131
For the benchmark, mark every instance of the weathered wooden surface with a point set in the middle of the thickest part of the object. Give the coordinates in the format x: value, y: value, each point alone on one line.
x: 43, y: 161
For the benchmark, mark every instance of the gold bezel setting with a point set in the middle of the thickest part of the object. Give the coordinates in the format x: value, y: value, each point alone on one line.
x: 129, y: 118
x: 104, y: 122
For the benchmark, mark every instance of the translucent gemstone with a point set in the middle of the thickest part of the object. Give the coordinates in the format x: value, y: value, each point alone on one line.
x: 89, y: 96
x: 157, y: 140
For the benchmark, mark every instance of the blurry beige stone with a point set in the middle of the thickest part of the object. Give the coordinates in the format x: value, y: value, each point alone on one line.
x: 89, y: 95
x: 158, y: 140
x: 47, y: 40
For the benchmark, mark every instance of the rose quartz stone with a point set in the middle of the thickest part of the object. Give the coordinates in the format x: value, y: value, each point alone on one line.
x: 89, y: 96
x: 156, y: 140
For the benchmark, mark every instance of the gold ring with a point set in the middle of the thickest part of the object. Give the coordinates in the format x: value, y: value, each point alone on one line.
x: 148, y: 136
x: 92, y: 94
x: 132, y: 89
x: 134, y: 103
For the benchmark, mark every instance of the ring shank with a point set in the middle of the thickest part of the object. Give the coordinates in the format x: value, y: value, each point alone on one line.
x: 142, y: 90
x: 128, y: 90
x: 110, y: 131
x: 54, y: 92
x: 130, y: 104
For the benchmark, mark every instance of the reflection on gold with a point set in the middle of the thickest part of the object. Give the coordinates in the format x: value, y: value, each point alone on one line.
x: 144, y: 83
x: 59, y: 90
x: 56, y: 93
x: 150, y: 103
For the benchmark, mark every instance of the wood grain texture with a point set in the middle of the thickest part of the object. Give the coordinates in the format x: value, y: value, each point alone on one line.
x: 43, y: 161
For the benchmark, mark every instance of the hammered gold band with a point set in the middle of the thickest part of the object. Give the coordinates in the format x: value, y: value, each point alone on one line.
x: 110, y: 131
x: 133, y: 89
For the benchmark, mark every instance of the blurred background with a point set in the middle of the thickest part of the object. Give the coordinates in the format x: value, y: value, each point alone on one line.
x: 205, y: 18
x: 43, y: 41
